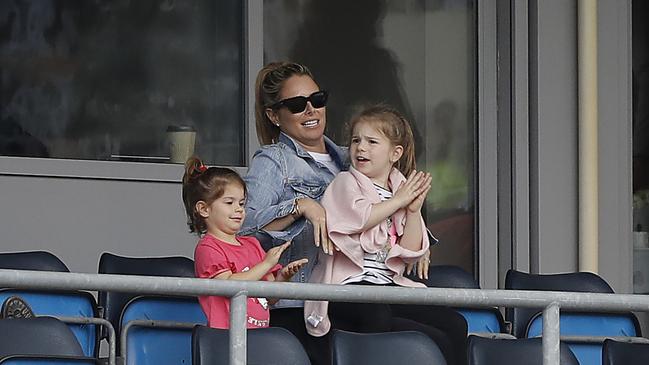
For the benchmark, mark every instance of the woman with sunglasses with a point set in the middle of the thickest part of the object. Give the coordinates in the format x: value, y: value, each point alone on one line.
x: 289, y: 174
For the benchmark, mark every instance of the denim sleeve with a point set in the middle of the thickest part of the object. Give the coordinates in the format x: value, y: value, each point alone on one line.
x: 267, y: 199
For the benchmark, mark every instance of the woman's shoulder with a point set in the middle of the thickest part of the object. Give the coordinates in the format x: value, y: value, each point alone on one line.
x: 273, y: 149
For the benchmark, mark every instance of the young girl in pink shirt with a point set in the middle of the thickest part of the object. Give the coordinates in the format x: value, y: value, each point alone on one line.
x: 214, y: 200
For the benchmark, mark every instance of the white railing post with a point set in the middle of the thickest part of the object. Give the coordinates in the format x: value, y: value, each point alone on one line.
x: 238, y: 327
x: 551, y: 335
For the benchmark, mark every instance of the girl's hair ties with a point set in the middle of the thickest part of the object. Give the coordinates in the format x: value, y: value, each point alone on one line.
x: 202, y: 168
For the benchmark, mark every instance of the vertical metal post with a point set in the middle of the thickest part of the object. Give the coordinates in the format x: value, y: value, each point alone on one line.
x: 551, y: 335
x: 238, y: 326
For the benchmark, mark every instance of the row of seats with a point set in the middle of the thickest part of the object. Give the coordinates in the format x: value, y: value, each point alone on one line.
x: 51, y: 340
x: 587, y: 331
x: 159, y: 327
x: 165, y: 323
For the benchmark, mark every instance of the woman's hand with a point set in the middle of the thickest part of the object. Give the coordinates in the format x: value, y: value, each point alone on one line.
x: 422, y: 266
x: 315, y: 213
x: 410, y: 191
x: 287, y: 272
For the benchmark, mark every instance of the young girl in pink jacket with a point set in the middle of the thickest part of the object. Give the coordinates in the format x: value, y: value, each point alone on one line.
x: 374, y: 221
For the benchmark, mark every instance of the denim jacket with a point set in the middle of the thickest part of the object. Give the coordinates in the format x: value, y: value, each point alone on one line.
x: 278, y: 174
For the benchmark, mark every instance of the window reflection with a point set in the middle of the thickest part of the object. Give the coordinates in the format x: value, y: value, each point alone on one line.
x: 415, y: 55
x: 104, y: 79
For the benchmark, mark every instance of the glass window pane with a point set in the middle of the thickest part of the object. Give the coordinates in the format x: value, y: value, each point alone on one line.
x: 104, y: 79
x: 640, y: 66
x: 416, y: 55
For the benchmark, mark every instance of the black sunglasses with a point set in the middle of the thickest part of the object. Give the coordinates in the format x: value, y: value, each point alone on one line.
x: 297, y: 104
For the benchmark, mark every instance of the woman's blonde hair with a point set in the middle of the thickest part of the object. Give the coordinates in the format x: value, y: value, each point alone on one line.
x: 394, y: 127
x: 270, y: 81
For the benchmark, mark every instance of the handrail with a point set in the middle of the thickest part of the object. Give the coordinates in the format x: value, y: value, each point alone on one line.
x: 549, y: 301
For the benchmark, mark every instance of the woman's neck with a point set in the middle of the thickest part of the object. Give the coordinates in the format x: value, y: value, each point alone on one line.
x: 317, y: 147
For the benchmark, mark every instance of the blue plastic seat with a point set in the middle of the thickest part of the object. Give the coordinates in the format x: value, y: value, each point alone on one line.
x: 588, y: 324
x: 528, y: 322
x: 64, y: 304
x: 39, y: 340
x: 158, y: 329
x: 479, y: 320
x: 54, y: 303
x: 268, y: 346
x: 113, y: 302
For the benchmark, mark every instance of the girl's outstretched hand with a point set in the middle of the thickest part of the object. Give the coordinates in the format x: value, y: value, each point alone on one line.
x: 315, y: 213
x: 273, y: 255
x: 287, y: 272
x: 416, y: 183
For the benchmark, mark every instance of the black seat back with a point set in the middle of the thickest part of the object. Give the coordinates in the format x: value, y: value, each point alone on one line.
x: 32, y: 260
x: 449, y: 276
x: 407, y: 347
x: 268, y: 346
x: 576, y: 282
x: 528, y: 351
x: 37, y: 336
x: 624, y: 353
x: 114, y: 302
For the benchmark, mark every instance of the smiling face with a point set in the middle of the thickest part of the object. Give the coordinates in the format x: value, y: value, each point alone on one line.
x: 372, y: 153
x: 225, y: 215
x: 306, y: 127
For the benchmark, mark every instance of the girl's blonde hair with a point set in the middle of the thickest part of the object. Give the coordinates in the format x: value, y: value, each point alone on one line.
x: 270, y: 81
x: 206, y: 184
x: 394, y: 127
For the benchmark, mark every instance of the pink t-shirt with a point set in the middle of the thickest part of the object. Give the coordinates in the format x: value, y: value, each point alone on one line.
x: 213, y: 257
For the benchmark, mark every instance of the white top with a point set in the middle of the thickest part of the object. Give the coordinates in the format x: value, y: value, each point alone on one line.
x: 374, y: 269
x: 327, y: 160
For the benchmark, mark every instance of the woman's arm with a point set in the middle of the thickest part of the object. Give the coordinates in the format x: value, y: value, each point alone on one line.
x: 265, y: 208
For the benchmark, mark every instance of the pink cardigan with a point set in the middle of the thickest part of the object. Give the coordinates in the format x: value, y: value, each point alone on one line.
x: 348, y: 202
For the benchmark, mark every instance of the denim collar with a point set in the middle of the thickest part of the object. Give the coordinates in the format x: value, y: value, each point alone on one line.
x: 339, y: 154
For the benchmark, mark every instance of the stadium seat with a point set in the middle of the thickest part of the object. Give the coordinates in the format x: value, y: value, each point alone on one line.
x: 32, y: 260
x: 529, y: 322
x: 39, y: 340
x: 479, y: 320
x: 113, y: 302
x: 624, y: 353
x: 158, y: 329
x: 54, y: 303
x: 528, y: 351
x: 268, y: 346
x: 407, y: 347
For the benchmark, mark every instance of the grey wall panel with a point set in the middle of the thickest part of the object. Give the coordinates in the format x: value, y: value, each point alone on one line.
x: 553, y: 136
x: 78, y: 219
x: 615, y: 169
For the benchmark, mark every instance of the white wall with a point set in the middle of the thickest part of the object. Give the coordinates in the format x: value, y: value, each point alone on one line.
x: 78, y: 219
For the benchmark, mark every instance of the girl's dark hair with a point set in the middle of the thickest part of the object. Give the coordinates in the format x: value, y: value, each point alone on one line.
x: 270, y: 81
x: 395, y: 127
x: 206, y: 184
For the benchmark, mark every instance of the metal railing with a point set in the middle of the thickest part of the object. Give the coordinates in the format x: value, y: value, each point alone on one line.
x: 551, y: 302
